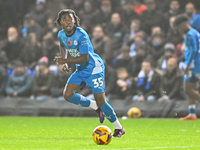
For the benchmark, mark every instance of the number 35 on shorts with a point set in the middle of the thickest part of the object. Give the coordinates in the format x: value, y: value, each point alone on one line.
x: 97, y: 82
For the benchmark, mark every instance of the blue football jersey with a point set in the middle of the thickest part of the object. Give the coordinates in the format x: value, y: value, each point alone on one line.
x: 79, y: 43
x: 192, y: 49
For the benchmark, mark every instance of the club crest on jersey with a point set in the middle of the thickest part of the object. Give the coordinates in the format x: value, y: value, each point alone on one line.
x: 75, y: 42
x: 69, y: 43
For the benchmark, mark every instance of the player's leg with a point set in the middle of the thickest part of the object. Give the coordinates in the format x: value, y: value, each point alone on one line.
x: 193, y: 95
x: 75, y: 98
x: 97, y: 86
x: 110, y: 114
x: 191, y: 92
x: 70, y: 94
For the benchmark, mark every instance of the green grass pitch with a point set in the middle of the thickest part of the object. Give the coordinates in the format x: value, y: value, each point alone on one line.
x: 68, y: 133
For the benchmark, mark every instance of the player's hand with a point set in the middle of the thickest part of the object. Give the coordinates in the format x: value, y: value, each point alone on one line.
x: 186, y: 71
x: 59, y: 60
x: 66, y: 68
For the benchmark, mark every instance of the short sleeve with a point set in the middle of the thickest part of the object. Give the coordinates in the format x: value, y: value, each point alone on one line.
x: 84, y: 44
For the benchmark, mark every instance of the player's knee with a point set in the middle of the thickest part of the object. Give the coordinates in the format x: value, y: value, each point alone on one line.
x: 67, y: 95
x: 100, y: 101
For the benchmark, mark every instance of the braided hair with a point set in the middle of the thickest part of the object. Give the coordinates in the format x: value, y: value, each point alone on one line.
x: 65, y: 11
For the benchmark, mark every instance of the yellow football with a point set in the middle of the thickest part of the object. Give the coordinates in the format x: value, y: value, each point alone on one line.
x: 134, y: 112
x: 102, y: 135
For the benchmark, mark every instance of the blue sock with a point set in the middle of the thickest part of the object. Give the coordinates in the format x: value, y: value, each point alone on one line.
x: 109, y: 112
x: 79, y: 100
x: 192, y: 110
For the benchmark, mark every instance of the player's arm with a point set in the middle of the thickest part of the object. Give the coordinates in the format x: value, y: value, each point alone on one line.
x: 186, y: 71
x: 83, y: 58
x: 63, y: 51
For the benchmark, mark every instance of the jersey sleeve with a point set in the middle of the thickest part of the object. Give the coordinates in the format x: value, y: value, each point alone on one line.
x: 192, y: 48
x: 84, y: 44
x: 60, y: 39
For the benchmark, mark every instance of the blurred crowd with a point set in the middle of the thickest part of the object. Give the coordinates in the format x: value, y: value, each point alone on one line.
x: 143, y: 53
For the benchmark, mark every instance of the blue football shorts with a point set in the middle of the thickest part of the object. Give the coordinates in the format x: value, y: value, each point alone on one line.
x: 193, y: 76
x: 94, y: 81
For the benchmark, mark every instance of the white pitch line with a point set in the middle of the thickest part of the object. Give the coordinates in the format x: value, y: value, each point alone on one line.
x: 141, y: 148
x: 138, y: 148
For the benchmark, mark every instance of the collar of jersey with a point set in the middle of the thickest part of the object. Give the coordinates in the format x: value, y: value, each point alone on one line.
x: 72, y: 33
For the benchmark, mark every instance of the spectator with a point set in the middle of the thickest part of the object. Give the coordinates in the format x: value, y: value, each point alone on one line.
x: 136, y: 61
x: 13, y: 45
x: 3, y: 79
x: 148, y: 83
x: 88, y: 14
x: 193, y: 15
x: 3, y: 59
x: 172, y: 82
x: 127, y: 13
x: 116, y: 32
x: 173, y: 36
x: 11, y: 14
x: 40, y: 14
x: 60, y: 79
x: 102, y: 44
x: 104, y: 15
x: 19, y: 83
x: 169, y: 49
x: 50, y: 48
x: 111, y: 80
x: 138, y: 7
x: 31, y: 52
x: 77, y: 6
x: 157, y: 47
x: 179, y: 51
x: 174, y: 10
x: 29, y: 26
x: 88, y: 28
x: 124, y: 86
x: 130, y: 35
x: 155, y: 31
x: 151, y: 17
x: 123, y: 60
x: 142, y: 34
x: 138, y: 40
x: 50, y: 27
x: 42, y: 81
